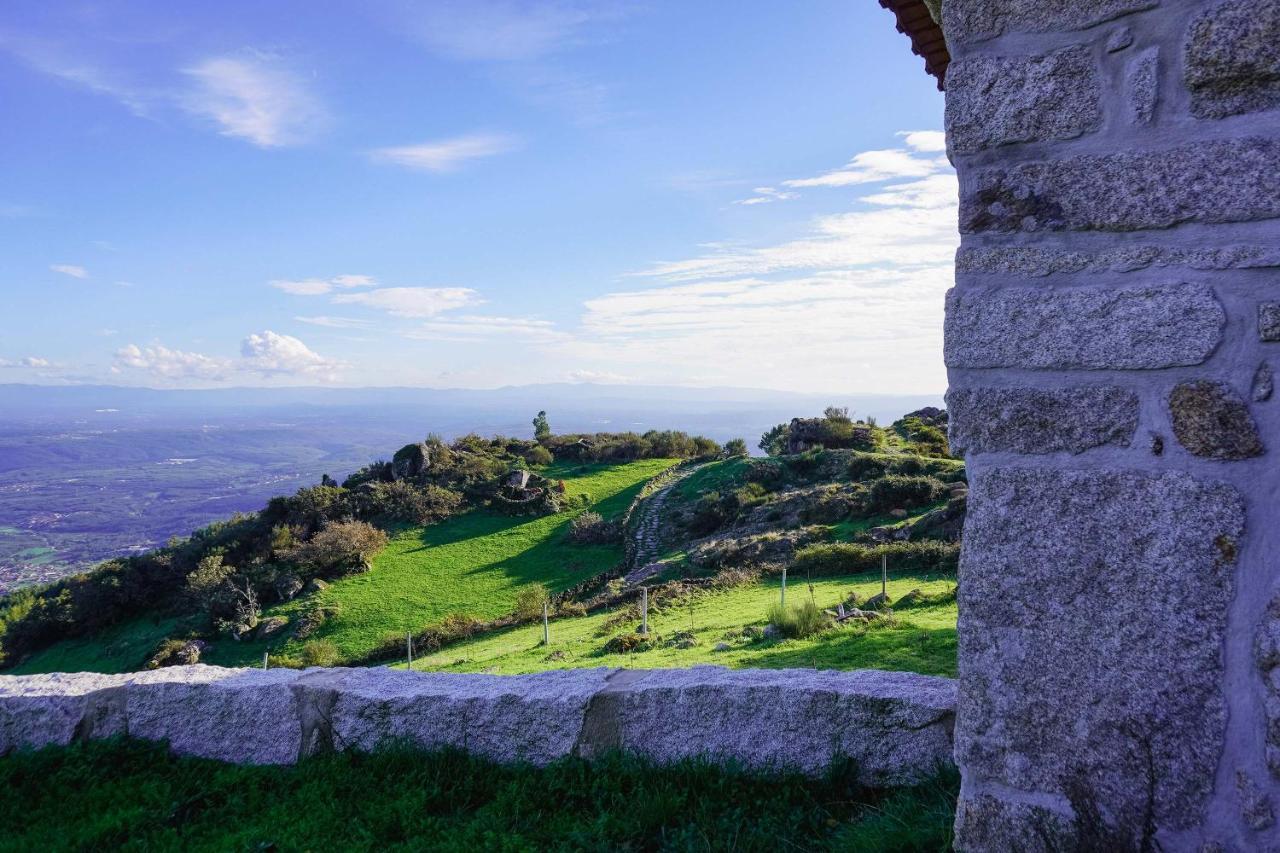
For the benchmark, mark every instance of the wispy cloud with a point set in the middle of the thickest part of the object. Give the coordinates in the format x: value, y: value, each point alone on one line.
x: 171, y: 364
x: 31, y: 362
x: 411, y: 301
x: 471, y: 327
x: 501, y: 30
x: 321, y: 286
x: 334, y: 322
x: 447, y: 155
x: 73, y: 270
x: 764, y: 195
x: 254, y: 99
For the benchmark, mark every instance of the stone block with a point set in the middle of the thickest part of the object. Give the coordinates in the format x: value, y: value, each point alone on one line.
x: 1269, y: 322
x: 1082, y: 328
x: 55, y: 709
x: 977, y: 20
x: 1212, y: 421
x: 1001, y: 100
x: 1142, y: 85
x: 1231, y: 61
x: 1034, y: 261
x: 991, y: 824
x: 534, y: 718
x: 1036, y: 420
x: 894, y: 726
x: 1093, y: 610
x: 247, y: 716
x: 1218, y: 181
x: 1264, y: 383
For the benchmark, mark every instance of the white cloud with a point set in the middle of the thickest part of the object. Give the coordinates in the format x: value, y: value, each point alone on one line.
x: 172, y: 364
x: 598, y: 377
x: 31, y: 362
x: 446, y: 155
x: 500, y: 30
x: 411, y: 301
x: 321, y: 286
x: 334, y: 322
x: 924, y: 140
x: 764, y: 195
x: 873, y: 166
x: 471, y: 327
x: 254, y: 99
x: 272, y: 354
x: 73, y: 270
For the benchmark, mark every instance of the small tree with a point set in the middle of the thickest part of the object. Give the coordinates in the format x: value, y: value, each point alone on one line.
x: 206, y: 586
x: 529, y: 601
x: 541, y: 427
x: 774, y: 442
x: 735, y: 447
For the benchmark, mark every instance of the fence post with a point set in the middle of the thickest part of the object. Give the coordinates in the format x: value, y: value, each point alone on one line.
x: 546, y: 627
x: 784, y: 586
x: 644, y: 610
x: 408, y: 647
x: 884, y: 575
x: 264, y: 660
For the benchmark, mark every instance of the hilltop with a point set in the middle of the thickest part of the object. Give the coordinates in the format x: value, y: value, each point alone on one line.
x: 457, y: 546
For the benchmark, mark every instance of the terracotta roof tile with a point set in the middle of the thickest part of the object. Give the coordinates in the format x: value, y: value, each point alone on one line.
x: 926, y: 36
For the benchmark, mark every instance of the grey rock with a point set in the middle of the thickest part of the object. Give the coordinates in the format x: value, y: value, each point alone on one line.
x: 1267, y: 655
x: 721, y: 647
x: 1091, y: 639
x: 977, y: 20
x: 1255, y: 805
x: 1269, y: 322
x: 1231, y: 60
x: 894, y: 726
x: 54, y: 709
x: 1219, y: 181
x: 1142, y: 78
x: 1119, y: 39
x: 1035, y: 420
x: 999, y: 100
x: 1264, y: 383
x: 271, y: 626
x: 1082, y: 328
x: 288, y: 586
x: 1211, y: 420
x: 987, y: 824
x: 1032, y: 261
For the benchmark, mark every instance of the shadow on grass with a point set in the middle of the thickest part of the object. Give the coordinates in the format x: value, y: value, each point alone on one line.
x: 905, y: 648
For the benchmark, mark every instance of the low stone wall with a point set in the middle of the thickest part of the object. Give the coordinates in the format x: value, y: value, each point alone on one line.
x: 895, y: 726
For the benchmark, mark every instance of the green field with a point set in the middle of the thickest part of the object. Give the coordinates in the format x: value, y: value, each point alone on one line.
x: 109, y: 795
x: 475, y: 563
x: 923, y: 639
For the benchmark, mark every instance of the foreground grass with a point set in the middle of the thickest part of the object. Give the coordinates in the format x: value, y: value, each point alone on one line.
x: 475, y: 563
x: 922, y: 640
x: 112, y: 794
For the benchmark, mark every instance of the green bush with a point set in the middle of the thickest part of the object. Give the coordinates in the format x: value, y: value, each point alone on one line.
x: 529, y: 602
x: 867, y: 466
x: 320, y: 653
x: 798, y: 620
x: 539, y: 456
x: 735, y: 447
x: 839, y: 558
x: 896, y: 491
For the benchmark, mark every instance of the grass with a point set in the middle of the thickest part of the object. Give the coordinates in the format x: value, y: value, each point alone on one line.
x: 475, y: 563
x: 922, y: 640
x: 120, y: 794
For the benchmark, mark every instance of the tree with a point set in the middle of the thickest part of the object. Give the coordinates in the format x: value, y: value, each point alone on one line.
x: 774, y: 442
x: 541, y: 427
x: 735, y: 447
x: 837, y: 413
x: 340, y: 548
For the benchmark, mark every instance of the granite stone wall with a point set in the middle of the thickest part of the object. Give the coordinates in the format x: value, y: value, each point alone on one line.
x: 1111, y: 343
x: 895, y: 727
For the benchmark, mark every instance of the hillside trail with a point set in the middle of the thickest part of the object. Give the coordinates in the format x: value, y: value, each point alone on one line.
x: 645, y: 542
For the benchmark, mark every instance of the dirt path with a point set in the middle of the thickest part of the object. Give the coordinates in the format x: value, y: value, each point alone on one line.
x: 645, y: 541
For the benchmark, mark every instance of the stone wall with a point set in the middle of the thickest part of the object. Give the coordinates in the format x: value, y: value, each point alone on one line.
x: 1110, y: 342
x: 896, y: 727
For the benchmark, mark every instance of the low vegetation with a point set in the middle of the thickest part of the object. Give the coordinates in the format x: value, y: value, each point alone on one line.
x: 135, y: 795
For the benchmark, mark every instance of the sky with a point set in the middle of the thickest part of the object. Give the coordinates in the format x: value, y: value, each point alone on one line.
x: 471, y: 193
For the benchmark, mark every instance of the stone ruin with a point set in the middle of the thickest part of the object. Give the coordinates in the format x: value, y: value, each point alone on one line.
x: 1110, y: 343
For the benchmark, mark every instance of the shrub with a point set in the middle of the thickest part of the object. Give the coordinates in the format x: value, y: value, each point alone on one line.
x: 320, y: 653
x: 591, y: 528
x: 708, y: 514
x: 735, y: 447
x: 897, y: 491
x: 539, y: 455
x: 344, y: 547
x: 571, y: 608
x: 529, y: 602
x: 839, y: 558
x: 798, y: 620
x: 867, y: 466
x: 625, y: 643
x: 401, y: 500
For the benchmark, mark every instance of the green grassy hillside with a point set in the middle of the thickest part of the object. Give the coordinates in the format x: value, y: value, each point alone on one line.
x: 475, y: 563
x: 922, y: 639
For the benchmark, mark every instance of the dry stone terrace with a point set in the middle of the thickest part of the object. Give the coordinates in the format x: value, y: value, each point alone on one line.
x: 1110, y: 347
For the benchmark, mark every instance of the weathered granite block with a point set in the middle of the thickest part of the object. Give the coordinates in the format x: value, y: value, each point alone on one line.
x: 1264, y: 383
x: 1220, y: 181
x: 1093, y: 609
x: 1142, y: 79
x: 243, y: 715
x: 533, y: 718
x: 975, y: 20
x: 895, y: 726
x: 1269, y: 322
x: 1082, y: 328
x: 999, y: 100
x: 1036, y: 420
x: 1035, y: 261
x: 1232, y: 58
x: 989, y: 824
x: 1213, y: 421
x: 54, y: 709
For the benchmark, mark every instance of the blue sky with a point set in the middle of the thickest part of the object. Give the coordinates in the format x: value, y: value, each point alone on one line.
x: 471, y: 193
